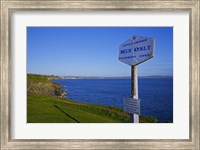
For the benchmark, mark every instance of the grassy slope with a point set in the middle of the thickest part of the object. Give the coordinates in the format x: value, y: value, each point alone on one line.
x: 46, y: 109
x: 42, y: 108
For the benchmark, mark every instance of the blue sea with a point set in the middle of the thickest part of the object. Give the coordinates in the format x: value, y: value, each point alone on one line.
x: 156, y: 94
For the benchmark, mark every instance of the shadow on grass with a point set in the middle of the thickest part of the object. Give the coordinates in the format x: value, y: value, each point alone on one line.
x: 66, y: 114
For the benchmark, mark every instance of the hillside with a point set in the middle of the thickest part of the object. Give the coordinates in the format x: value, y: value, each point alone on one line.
x: 45, y: 104
x: 42, y: 85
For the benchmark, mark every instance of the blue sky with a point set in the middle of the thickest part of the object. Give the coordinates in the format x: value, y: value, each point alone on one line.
x: 93, y: 51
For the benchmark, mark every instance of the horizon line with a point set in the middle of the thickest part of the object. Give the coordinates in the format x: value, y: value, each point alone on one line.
x: 100, y: 76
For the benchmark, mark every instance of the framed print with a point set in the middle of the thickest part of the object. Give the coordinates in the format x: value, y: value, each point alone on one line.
x: 100, y: 74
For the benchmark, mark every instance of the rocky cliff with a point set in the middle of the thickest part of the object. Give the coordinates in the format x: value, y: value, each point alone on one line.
x: 42, y: 85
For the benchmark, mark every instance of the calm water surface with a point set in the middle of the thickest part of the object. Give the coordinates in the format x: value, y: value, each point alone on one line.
x: 156, y: 94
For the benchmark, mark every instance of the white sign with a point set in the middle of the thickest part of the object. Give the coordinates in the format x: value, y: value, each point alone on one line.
x: 136, y: 50
x: 132, y: 105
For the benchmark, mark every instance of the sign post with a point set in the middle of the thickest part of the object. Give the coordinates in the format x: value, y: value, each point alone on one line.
x: 134, y: 51
x: 134, y: 90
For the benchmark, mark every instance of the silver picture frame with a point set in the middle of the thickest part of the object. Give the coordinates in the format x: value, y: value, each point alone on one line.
x: 10, y: 6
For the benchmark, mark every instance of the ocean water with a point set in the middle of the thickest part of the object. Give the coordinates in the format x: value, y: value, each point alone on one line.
x: 156, y: 94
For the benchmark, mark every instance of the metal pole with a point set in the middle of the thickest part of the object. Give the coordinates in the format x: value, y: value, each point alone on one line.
x: 134, y: 91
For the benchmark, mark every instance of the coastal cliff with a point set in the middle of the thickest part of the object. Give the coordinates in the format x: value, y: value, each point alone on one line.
x: 42, y: 85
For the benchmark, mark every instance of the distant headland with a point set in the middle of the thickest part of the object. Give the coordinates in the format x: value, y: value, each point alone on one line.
x: 101, y: 77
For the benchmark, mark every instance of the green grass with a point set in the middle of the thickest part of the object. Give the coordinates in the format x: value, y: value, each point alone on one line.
x: 34, y: 78
x: 48, y: 109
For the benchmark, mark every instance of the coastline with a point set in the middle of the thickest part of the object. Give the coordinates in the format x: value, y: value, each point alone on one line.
x: 51, y: 108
